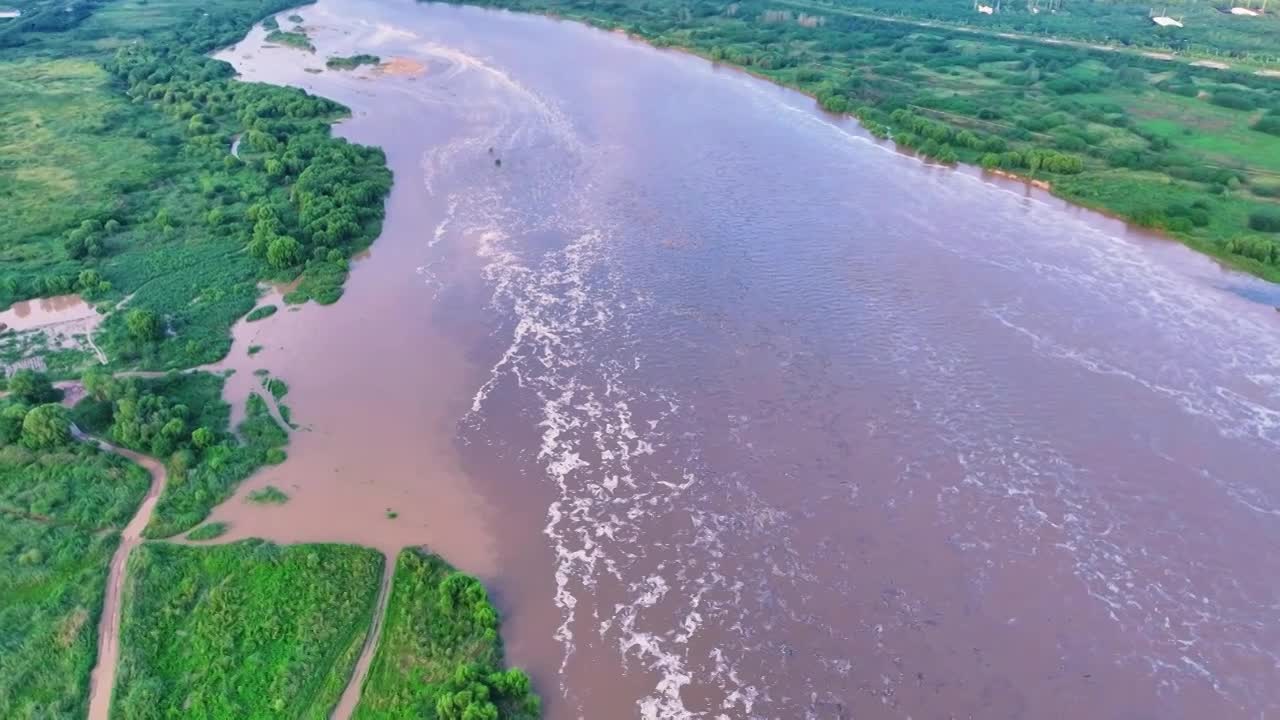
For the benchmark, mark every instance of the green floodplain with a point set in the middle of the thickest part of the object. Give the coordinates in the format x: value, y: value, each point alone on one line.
x: 120, y: 186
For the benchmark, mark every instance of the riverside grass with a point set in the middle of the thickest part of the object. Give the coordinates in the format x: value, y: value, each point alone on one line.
x: 61, y: 510
x: 268, y: 630
x: 1181, y: 149
x: 439, y: 654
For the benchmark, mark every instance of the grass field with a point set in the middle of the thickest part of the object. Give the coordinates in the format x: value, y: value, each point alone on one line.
x: 50, y: 600
x: 117, y: 191
x: 439, y: 655
x: 266, y: 631
x: 59, y: 510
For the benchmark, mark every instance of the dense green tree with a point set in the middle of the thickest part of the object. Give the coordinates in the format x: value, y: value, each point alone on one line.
x: 46, y: 426
x: 11, y: 417
x: 203, y: 437
x: 143, y: 325
x: 33, y: 388
x: 283, y: 251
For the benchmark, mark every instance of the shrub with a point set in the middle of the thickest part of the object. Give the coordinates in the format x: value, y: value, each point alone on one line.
x: 1234, y: 99
x: 33, y: 388
x: 1269, y: 124
x: 259, y: 313
x: 1265, y: 221
x: 269, y: 495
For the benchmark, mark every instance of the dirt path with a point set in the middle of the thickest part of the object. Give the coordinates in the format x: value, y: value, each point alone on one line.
x: 351, y: 696
x: 102, y: 357
x: 103, y: 678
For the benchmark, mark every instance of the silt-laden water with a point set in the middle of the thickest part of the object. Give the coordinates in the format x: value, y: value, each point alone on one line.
x: 744, y: 414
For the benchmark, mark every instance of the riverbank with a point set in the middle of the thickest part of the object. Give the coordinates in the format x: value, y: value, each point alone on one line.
x: 198, y: 429
x: 1099, y: 127
x: 735, y: 408
x: 873, y: 130
x: 704, y: 279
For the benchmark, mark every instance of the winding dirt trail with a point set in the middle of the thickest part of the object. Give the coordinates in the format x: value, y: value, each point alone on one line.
x: 103, y: 678
x: 351, y: 696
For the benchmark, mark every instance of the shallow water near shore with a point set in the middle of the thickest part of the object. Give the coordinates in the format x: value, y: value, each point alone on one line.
x: 741, y: 413
x: 32, y: 314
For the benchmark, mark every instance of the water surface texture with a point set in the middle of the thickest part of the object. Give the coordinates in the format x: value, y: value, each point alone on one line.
x: 746, y: 415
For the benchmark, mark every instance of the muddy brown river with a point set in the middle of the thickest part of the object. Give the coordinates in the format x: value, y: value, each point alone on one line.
x: 744, y: 414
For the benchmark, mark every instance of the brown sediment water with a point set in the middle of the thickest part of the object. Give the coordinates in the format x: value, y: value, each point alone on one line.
x: 103, y: 677
x: 65, y: 321
x: 742, y: 413
x: 31, y: 314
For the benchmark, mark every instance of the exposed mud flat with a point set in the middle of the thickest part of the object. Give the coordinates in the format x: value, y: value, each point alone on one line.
x: 745, y: 414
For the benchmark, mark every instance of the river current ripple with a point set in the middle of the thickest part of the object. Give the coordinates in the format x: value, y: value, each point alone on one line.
x: 829, y: 432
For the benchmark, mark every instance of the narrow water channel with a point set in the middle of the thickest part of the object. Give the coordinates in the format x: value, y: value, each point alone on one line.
x: 745, y: 414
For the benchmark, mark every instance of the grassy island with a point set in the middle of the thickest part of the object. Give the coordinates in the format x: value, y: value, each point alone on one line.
x: 295, y: 39
x: 351, y: 62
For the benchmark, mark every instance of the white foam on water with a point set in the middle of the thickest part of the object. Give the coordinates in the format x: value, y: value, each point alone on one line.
x: 601, y: 438
x: 1149, y: 584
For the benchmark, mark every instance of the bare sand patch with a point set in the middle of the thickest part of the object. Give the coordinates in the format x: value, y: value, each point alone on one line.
x: 402, y: 66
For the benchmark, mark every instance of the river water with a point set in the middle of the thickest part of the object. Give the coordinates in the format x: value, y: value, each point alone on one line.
x: 744, y: 414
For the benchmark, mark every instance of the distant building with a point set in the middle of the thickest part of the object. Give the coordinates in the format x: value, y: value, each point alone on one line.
x: 1165, y: 21
x: 7, y: 13
x: 1244, y: 11
x: 986, y: 10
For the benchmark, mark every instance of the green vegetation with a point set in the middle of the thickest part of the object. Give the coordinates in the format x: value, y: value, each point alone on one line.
x: 1181, y: 149
x: 32, y: 388
x: 118, y: 184
x: 259, y: 313
x: 269, y: 495
x: 271, y: 23
x: 352, y: 62
x: 182, y: 420
x: 61, y: 506
x: 266, y: 631
x: 117, y: 129
x: 277, y: 387
x: 1208, y: 33
x: 50, y: 599
x: 439, y: 655
x: 295, y: 18
x: 65, y: 352
x: 208, y: 531
x: 296, y: 39
x: 66, y: 483
x: 254, y: 350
